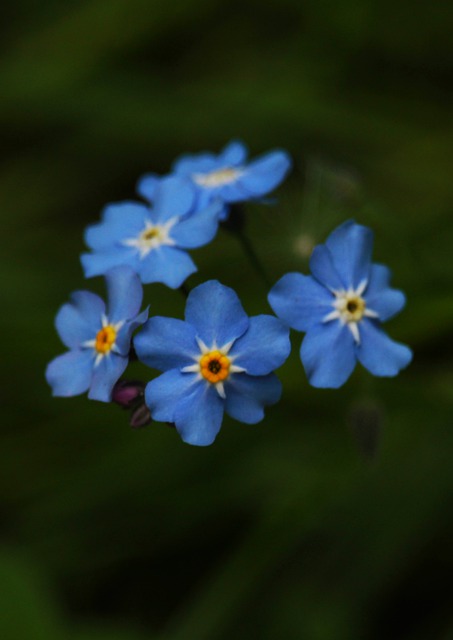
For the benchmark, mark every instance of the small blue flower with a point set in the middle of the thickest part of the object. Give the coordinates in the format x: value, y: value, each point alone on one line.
x: 226, y: 176
x: 216, y: 360
x: 341, y: 308
x: 98, y: 340
x: 152, y: 240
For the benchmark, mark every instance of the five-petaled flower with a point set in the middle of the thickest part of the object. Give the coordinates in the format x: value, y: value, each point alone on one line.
x: 153, y: 240
x: 98, y: 339
x: 227, y: 175
x: 341, y: 308
x: 217, y: 360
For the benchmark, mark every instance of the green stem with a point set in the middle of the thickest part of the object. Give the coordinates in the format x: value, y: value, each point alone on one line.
x: 235, y: 224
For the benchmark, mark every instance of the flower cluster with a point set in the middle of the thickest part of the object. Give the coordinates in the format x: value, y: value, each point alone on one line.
x: 217, y: 360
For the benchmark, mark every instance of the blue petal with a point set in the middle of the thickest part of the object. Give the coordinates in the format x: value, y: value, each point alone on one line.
x: 199, y: 163
x: 246, y: 396
x: 96, y: 264
x: 163, y: 393
x: 300, y: 301
x: 378, y: 353
x: 204, y: 198
x: 216, y: 313
x: 166, y: 343
x: 70, y: 374
x: 105, y: 374
x: 351, y: 246
x: 327, y: 354
x: 168, y: 265
x: 174, y: 197
x: 231, y: 192
x: 263, y: 347
x: 123, y: 339
x: 380, y: 297
x: 265, y: 173
x: 225, y: 213
x: 89, y: 305
x: 119, y: 221
x: 323, y: 269
x: 129, y: 211
x: 234, y: 154
x: 207, y: 197
x: 199, y: 228
x: 80, y: 320
x: 125, y: 293
x: 198, y: 416
x: 147, y: 185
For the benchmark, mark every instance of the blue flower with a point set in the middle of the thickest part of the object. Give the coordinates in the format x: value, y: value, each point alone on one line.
x: 226, y: 176
x: 341, y: 308
x: 98, y: 340
x: 216, y: 360
x: 152, y: 240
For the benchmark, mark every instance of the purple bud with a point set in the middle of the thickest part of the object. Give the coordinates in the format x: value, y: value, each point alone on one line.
x: 127, y: 392
x: 140, y: 417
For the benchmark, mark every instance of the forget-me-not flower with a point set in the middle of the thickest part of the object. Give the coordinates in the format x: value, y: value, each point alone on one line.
x: 98, y: 338
x: 227, y: 176
x: 341, y: 308
x: 217, y: 360
x: 153, y: 240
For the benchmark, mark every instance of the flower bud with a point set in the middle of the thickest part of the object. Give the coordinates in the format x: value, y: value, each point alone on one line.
x: 126, y: 393
x: 140, y: 416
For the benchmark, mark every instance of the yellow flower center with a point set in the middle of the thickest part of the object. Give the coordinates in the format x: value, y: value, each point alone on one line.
x: 215, y: 366
x: 149, y: 234
x: 105, y: 339
x: 352, y: 308
x: 349, y: 308
x: 152, y: 237
x: 217, y: 178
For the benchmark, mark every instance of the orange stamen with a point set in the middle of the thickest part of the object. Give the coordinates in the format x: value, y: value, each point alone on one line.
x: 105, y: 339
x: 214, y: 366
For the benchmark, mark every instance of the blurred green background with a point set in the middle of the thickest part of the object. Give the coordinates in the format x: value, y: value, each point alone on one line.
x: 330, y: 520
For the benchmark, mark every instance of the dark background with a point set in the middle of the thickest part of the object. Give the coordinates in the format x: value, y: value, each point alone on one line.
x: 300, y: 527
